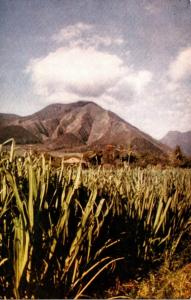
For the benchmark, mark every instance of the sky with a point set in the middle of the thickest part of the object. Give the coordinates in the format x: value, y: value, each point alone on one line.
x: 132, y: 57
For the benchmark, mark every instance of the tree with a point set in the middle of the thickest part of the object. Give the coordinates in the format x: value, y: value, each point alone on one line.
x: 178, y: 153
x: 179, y: 159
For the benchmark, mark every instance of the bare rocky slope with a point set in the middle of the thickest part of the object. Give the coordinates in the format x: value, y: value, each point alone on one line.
x: 175, y: 138
x: 80, y: 125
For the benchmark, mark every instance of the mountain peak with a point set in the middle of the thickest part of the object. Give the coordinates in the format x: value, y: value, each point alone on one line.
x: 80, y: 124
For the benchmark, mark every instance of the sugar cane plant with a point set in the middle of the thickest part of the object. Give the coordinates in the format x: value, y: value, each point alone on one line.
x: 61, y: 228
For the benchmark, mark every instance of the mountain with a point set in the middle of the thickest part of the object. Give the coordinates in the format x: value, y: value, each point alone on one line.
x: 80, y: 125
x: 174, y: 138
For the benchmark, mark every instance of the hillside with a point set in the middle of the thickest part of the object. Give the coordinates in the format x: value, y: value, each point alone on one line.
x: 183, y: 139
x: 76, y: 125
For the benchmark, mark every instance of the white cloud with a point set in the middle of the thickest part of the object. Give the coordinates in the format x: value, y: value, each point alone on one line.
x: 137, y: 81
x: 85, y: 35
x: 71, y: 32
x: 85, y: 69
x: 98, y: 40
x: 70, y: 74
x: 132, y: 85
x: 152, y: 8
x: 76, y: 71
x: 180, y: 68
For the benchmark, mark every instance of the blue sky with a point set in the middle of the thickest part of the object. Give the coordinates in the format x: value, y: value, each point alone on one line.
x: 130, y: 56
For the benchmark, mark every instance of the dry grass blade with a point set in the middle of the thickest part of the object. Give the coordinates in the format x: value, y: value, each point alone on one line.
x: 96, y: 275
x: 12, y: 141
x: 3, y: 261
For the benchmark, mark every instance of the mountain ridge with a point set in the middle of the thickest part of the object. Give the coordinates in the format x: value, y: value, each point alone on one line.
x: 78, y: 124
x: 177, y: 138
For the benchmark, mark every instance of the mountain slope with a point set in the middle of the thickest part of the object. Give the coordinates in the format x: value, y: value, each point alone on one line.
x: 183, y: 139
x: 80, y: 124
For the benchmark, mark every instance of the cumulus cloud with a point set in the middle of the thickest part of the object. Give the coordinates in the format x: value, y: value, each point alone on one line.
x: 82, y: 72
x: 159, y: 112
x: 85, y: 68
x: 73, y: 73
x: 71, y: 32
x: 137, y: 81
x: 85, y: 35
x: 180, y: 68
x: 131, y: 86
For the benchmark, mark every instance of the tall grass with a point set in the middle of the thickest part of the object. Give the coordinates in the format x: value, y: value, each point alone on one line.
x: 61, y: 228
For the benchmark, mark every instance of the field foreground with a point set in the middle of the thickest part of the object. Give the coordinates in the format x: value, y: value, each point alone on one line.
x: 66, y: 232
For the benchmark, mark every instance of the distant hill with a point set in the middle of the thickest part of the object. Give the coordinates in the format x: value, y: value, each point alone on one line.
x: 76, y: 125
x: 174, y: 138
